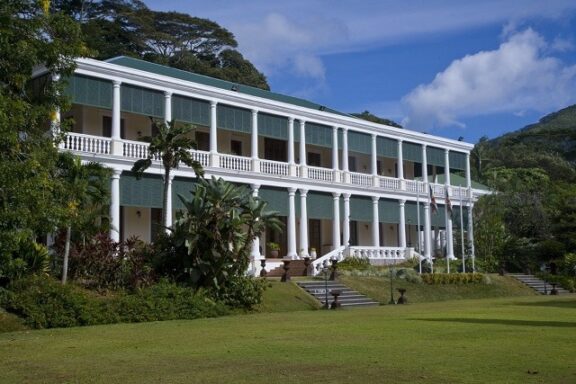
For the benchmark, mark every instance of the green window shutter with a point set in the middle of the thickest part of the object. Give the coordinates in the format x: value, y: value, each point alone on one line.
x: 320, y: 206
x: 435, y: 156
x: 90, y: 91
x: 276, y: 198
x: 142, y: 101
x: 191, y: 110
x: 438, y: 219
x: 388, y: 211
x: 181, y: 186
x: 272, y: 126
x: 361, y: 208
x: 317, y: 134
x: 234, y: 119
x: 387, y: 147
x: 412, y: 152
x: 359, y: 142
x: 146, y: 192
x: 457, y: 160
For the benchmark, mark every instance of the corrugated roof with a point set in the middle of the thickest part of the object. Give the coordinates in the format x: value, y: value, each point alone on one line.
x: 163, y: 70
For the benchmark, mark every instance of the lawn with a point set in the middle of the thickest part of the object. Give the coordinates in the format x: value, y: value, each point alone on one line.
x: 526, y: 339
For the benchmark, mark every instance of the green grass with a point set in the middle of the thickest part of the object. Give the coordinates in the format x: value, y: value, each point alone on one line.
x: 10, y: 322
x: 378, y: 288
x: 507, y: 340
x: 281, y: 297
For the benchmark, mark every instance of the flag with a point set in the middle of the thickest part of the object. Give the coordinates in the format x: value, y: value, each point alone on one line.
x: 433, y: 201
x: 448, y: 202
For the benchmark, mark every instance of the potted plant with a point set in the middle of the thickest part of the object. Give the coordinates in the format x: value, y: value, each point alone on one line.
x: 274, y: 249
x: 313, y: 253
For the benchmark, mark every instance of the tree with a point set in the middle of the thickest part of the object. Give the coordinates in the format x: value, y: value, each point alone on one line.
x: 30, y: 38
x: 366, y: 115
x: 86, y: 193
x: 171, y: 145
x: 179, y: 40
x: 218, y: 227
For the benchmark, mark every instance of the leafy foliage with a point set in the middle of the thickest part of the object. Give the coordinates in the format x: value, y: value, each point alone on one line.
x: 44, y: 303
x: 217, y: 227
x: 453, y: 278
x: 366, y: 115
x: 128, y: 27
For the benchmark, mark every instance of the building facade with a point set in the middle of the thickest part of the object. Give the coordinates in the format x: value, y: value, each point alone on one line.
x: 342, y: 185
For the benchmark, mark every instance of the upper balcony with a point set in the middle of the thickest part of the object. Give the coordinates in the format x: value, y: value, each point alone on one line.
x: 256, y: 168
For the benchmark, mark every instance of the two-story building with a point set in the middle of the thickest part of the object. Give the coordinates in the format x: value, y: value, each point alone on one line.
x: 342, y: 185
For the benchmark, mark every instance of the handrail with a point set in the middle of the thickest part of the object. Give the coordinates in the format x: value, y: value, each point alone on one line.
x: 337, y: 253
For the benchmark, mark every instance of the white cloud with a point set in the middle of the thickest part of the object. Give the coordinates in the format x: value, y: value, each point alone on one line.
x: 518, y: 76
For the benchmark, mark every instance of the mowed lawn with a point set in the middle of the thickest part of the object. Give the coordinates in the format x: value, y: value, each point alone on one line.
x: 508, y: 340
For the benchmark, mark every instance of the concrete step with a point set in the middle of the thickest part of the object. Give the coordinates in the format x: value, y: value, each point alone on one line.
x: 537, y: 284
x: 348, y: 298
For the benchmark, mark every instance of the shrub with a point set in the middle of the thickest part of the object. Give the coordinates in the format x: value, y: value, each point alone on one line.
x: 354, y: 262
x: 453, y: 278
x: 242, y: 292
x: 44, y: 303
x: 409, y: 275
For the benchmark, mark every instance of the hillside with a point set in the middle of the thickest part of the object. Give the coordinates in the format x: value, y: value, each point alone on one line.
x: 554, y: 133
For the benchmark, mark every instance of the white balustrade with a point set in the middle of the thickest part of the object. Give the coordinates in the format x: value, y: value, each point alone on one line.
x: 363, y: 179
x: 202, y: 157
x: 377, y: 253
x: 389, y: 183
x: 323, y: 174
x: 237, y: 163
x: 86, y: 143
x: 274, y: 168
x: 135, y: 149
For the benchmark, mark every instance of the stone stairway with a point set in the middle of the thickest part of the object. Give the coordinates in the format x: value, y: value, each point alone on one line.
x: 348, y: 298
x: 537, y: 284
x: 297, y: 268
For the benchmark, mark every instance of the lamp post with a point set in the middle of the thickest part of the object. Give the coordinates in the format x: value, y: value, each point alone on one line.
x: 325, y: 270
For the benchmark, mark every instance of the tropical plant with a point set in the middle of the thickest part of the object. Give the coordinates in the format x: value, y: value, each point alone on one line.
x: 219, y: 224
x: 84, y: 196
x: 171, y: 145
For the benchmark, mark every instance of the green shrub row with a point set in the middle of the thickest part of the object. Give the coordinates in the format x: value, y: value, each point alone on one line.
x: 44, y: 303
x: 454, y: 278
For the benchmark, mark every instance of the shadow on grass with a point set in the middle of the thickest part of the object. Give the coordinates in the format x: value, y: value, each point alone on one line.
x: 552, y: 303
x: 524, y: 323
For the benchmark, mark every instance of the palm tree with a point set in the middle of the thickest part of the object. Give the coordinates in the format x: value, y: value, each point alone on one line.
x: 172, y: 145
x: 85, y: 193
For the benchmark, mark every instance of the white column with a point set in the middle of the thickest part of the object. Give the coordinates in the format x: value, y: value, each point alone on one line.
x: 336, y: 221
x: 427, y: 232
x: 167, y: 107
x: 214, y: 160
x: 255, y: 253
x: 375, y: 222
x: 303, y: 224
x: 447, y: 167
x: 374, y: 161
x: 291, y: 224
x: 117, y: 147
x: 303, y: 167
x: 346, y: 221
x: 449, y: 235
x: 468, y: 175
x: 291, y: 163
x: 168, y: 223
x: 401, y: 165
x: 345, y: 168
x: 115, y: 205
x: 424, y: 165
x: 471, y: 235
x: 335, y: 153
x: 402, y: 225
x: 254, y: 151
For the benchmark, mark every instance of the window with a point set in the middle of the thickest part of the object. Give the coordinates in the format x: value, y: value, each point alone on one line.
x: 275, y: 149
x: 107, y: 127
x: 314, y: 159
x: 236, y: 147
x: 203, y: 141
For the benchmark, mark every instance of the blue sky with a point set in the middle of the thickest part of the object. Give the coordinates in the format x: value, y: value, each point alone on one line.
x: 452, y: 68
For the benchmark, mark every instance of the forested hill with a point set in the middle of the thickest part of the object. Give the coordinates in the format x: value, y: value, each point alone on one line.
x: 549, y: 145
x: 555, y: 133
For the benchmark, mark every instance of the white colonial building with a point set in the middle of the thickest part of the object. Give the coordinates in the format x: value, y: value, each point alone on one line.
x: 342, y: 185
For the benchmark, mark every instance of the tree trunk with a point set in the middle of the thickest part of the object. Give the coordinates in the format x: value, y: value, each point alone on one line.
x: 66, y: 254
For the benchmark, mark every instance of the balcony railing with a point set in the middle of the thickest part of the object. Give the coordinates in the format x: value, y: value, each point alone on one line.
x: 137, y: 150
x: 86, y: 143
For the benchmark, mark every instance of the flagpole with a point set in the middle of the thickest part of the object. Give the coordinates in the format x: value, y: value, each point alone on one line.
x: 462, y: 233
x: 418, y: 231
